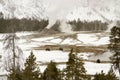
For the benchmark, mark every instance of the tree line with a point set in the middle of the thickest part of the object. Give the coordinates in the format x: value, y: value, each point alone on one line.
x: 74, y: 67
x: 9, y: 25
x: 74, y: 71
x: 88, y: 26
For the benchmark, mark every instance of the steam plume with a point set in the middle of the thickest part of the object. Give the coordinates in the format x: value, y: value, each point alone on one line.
x: 57, y: 10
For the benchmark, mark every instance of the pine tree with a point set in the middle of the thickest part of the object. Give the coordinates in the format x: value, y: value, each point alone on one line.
x: 111, y: 75
x: 70, y: 66
x: 17, y: 73
x: 75, y: 69
x: 13, y: 56
x: 100, y: 76
x: 51, y: 72
x: 31, y: 71
x: 114, y: 46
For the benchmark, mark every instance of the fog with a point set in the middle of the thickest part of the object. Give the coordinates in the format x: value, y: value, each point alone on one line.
x: 58, y: 9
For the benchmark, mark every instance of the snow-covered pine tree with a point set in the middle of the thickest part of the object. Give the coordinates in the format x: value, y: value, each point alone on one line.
x: 114, y: 47
x: 12, y: 56
x: 12, y: 53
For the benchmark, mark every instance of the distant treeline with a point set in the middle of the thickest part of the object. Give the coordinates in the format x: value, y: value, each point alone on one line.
x: 88, y: 26
x: 9, y: 25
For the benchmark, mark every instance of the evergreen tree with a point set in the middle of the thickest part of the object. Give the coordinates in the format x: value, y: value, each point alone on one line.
x: 100, y: 76
x: 75, y: 69
x: 51, y: 72
x: 17, y: 73
x: 13, y: 56
x: 114, y: 46
x: 111, y: 75
x: 31, y: 71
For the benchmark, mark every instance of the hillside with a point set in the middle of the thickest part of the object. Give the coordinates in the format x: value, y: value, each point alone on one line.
x: 51, y: 10
x: 39, y: 9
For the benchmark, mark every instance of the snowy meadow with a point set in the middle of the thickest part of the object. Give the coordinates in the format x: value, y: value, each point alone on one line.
x: 27, y: 44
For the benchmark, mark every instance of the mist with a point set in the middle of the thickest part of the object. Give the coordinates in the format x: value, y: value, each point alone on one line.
x: 55, y: 10
x: 58, y: 10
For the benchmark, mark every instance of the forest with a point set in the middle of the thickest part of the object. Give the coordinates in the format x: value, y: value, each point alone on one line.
x: 88, y: 26
x: 9, y: 25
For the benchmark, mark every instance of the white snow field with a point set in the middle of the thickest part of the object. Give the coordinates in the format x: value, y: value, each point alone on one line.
x: 91, y: 39
x: 43, y: 56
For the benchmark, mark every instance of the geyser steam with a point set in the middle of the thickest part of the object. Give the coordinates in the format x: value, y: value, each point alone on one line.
x: 57, y: 10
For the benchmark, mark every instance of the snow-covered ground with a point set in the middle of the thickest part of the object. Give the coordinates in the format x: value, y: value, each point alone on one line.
x: 60, y: 56
x: 91, y: 39
x: 47, y: 56
x: 25, y: 33
x: 103, y: 57
x: 93, y: 68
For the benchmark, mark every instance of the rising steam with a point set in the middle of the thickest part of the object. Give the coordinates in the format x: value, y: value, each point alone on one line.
x: 57, y: 10
x: 64, y: 27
